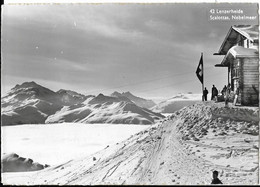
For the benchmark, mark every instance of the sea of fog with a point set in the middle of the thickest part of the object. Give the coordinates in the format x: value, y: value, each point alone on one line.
x: 57, y: 143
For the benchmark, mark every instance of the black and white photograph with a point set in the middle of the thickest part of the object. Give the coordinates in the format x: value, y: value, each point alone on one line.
x: 130, y: 94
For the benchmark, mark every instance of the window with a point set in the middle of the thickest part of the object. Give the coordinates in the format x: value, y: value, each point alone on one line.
x: 236, y: 73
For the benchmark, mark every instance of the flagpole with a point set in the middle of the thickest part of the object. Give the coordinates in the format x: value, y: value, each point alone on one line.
x: 202, y: 77
x: 200, y: 74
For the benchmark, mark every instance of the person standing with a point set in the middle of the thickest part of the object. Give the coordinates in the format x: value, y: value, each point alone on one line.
x: 213, y: 92
x: 205, y: 93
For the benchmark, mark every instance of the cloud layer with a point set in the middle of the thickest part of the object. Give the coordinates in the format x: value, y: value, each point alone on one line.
x: 150, y: 49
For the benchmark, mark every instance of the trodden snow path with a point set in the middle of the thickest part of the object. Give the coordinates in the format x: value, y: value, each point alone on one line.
x: 169, y: 162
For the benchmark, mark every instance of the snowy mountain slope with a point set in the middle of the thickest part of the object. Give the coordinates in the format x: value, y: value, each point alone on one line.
x: 69, y: 97
x: 29, y: 103
x: 73, y: 113
x: 100, y: 99
x: 137, y: 100
x: 123, y: 113
x: 20, y: 95
x: 164, y: 154
x: 177, y: 102
x: 105, y: 109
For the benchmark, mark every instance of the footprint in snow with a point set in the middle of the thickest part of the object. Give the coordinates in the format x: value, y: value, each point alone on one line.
x: 162, y: 163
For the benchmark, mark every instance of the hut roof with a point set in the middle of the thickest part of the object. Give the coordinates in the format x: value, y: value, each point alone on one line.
x: 245, y: 31
x: 238, y: 52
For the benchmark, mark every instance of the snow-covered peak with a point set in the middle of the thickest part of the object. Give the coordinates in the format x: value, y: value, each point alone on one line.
x: 101, y: 98
x: 127, y: 93
x: 116, y: 94
x: 31, y: 88
x: 26, y: 85
x: 137, y: 100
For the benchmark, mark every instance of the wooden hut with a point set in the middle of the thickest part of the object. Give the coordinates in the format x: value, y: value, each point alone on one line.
x: 240, y: 48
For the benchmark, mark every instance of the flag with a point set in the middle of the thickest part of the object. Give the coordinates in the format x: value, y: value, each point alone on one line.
x: 199, y: 71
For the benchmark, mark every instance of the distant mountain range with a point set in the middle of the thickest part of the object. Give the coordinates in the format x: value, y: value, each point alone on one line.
x: 31, y: 103
x: 176, y: 103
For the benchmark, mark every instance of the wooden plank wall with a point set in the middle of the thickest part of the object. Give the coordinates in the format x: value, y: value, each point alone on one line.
x: 249, y: 78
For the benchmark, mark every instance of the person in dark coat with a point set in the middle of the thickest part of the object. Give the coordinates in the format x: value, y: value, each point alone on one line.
x: 205, y: 93
x: 213, y: 92
x: 215, y: 178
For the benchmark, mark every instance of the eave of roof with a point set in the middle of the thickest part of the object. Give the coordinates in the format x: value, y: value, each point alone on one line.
x: 248, y: 32
x: 239, y: 52
x: 223, y: 43
x: 220, y: 65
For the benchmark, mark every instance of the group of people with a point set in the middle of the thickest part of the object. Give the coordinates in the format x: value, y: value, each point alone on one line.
x: 226, y: 90
x: 214, y: 93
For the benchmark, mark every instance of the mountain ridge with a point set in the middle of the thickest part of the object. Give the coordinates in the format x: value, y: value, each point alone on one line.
x: 137, y: 100
x: 34, y: 104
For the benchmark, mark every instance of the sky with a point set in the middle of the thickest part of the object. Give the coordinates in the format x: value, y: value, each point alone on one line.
x: 151, y: 50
